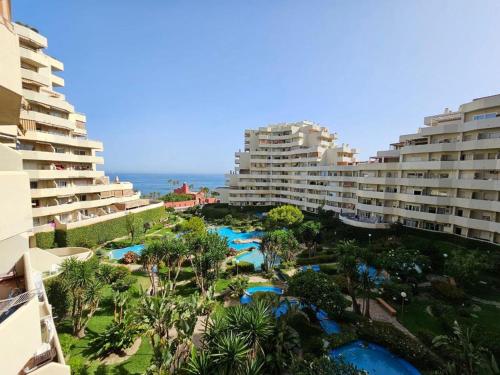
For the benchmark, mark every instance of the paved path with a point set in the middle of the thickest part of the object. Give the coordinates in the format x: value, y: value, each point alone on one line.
x: 378, y: 314
x: 487, y: 302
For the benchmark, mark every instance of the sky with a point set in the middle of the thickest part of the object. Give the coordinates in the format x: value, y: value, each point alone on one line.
x: 170, y: 85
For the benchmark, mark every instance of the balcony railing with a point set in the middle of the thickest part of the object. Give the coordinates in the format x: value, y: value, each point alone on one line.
x: 9, y: 305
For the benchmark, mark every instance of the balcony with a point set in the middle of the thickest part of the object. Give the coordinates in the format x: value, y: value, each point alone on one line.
x: 363, y: 222
x: 79, y: 189
x: 52, y: 174
x: 35, y: 77
x: 53, y: 100
x: 61, y: 157
x: 61, y: 139
x: 33, y: 58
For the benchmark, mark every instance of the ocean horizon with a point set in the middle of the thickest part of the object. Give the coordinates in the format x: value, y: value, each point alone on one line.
x: 159, y: 182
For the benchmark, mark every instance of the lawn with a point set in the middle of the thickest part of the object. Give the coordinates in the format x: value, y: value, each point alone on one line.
x: 415, y: 318
x: 80, y: 353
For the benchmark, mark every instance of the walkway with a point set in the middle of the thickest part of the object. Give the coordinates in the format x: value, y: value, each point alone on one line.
x: 378, y: 314
x: 487, y: 302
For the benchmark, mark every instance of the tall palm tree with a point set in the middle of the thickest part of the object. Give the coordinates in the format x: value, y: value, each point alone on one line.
x: 348, y: 266
x: 150, y: 258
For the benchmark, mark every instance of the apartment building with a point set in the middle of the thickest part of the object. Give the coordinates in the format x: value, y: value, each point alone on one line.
x: 67, y: 189
x: 28, y: 339
x: 443, y: 178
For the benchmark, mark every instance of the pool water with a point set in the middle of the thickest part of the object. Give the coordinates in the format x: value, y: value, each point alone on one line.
x: 231, y: 236
x: 329, y: 326
x: 374, y: 359
x: 372, y: 274
x: 247, y: 297
x: 255, y: 256
x: 119, y: 253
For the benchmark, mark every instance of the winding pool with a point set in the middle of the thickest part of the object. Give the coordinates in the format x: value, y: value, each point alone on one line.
x: 247, y: 297
x: 374, y: 359
x: 119, y: 253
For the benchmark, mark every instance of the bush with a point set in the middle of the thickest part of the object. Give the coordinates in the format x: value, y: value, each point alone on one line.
x: 426, y: 336
x: 318, y: 259
x: 129, y: 257
x: 448, y: 292
x: 115, y: 338
x: 241, y: 267
x: 393, y: 290
x: 341, y: 282
x: 58, y: 297
x: 94, y: 234
x: 400, y: 344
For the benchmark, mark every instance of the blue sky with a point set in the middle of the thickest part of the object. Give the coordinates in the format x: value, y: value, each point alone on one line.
x: 170, y: 86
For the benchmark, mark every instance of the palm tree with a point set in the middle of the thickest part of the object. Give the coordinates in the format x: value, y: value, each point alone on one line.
x: 199, y: 363
x: 173, y: 251
x: 255, y: 323
x: 469, y: 359
x: 230, y: 353
x: 348, y: 266
x: 150, y: 258
x: 82, y: 281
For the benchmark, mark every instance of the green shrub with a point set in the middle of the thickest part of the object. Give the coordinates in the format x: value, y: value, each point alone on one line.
x: 318, y: 259
x: 45, y: 240
x: 242, y: 267
x: 58, y: 297
x: 448, y: 292
x: 94, y: 234
x: 393, y: 290
x: 426, y: 336
x: 117, y: 337
x: 397, y: 342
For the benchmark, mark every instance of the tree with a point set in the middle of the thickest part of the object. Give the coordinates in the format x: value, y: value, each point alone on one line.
x: 348, y: 266
x: 134, y: 225
x: 278, y: 244
x: 173, y: 251
x: 207, y: 251
x: 238, y: 285
x: 82, y: 281
x: 150, y: 258
x: 406, y: 263
x: 308, y: 232
x: 317, y: 288
x: 467, y: 358
x: 285, y: 216
x: 194, y: 225
x: 466, y: 266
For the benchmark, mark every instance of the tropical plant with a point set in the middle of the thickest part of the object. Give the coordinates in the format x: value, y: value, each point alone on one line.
x: 317, y: 288
x: 173, y: 251
x: 405, y: 263
x: 116, y: 337
x: 285, y: 216
x: 81, y: 279
x: 324, y: 366
x: 466, y: 357
x: 134, y: 225
x: 207, y: 251
x: 129, y: 257
x: 308, y: 232
x: 194, y: 225
x: 238, y: 285
x: 150, y: 258
x: 278, y: 244
x: 348, y: 266
x: 466, y: 266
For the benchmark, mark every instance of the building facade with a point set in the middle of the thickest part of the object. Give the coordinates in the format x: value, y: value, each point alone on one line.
x: 28, y: 339
x: 67, y: 189
x: 443, y: 178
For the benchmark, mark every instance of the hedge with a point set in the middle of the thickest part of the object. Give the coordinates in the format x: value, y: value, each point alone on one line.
x: 94, y: 234
x: 385, y: 334
x: 327, y: 258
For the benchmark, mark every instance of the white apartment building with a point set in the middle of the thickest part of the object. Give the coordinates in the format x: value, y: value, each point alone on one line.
x: 67, y: 190
x: 443, y: 178
x: 28, y: 339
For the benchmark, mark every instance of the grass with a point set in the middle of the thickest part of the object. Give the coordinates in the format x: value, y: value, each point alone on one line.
x: 416, y: 318
x: 80, y: 353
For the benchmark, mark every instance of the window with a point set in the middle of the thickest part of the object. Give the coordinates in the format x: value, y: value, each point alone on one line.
x: 484, y: 116
x: 33, y: 184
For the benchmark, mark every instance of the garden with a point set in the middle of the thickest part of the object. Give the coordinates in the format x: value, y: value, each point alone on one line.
x: 181, y: 301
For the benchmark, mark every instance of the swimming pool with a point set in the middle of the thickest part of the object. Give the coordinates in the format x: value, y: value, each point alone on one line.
x: 373, y: 274
x: 374, y: 359
x: 231, y: 236
x: 247, y: 297
x: 255, y: 257
x: 119, y: 253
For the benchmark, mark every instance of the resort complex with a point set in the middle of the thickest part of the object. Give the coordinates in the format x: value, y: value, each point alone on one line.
x: 443, y: 178
x: 67, y: 190
x: 309, y: 261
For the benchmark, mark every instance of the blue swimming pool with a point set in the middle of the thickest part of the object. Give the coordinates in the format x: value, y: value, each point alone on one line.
x: 372, y: 273
x: 374, y: 359
x: 232, y: 236
x: 247, y: 297
x: 255, y: 257
x: 119, y: 253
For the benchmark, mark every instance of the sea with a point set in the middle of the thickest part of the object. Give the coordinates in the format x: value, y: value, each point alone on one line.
x: 164, y: 183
